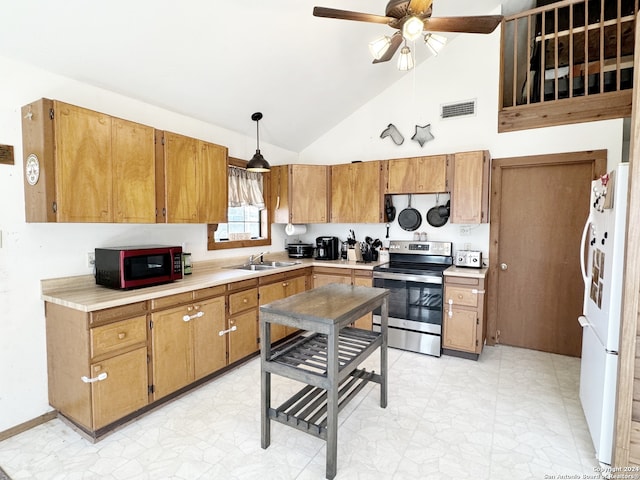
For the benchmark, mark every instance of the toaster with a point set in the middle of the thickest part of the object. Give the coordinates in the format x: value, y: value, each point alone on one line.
x: 468, y: 258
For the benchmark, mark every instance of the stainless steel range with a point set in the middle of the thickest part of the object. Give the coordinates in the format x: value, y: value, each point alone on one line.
x: 414, y: 277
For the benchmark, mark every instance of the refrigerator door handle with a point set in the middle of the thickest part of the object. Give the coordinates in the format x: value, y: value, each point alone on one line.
x: 583, y: 267
x: 582, y: 320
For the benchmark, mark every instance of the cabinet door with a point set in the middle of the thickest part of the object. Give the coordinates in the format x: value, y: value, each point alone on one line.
x: 209, y: 348
x: 417, y: 175
x: 180, y: 156
x: 123, y: 391
x: 213, y: 200
x: 172, y: 350
x: 134, y: 187
x: 365, y: 322
x: 321, y: 279
x: 280, y: 193
x: 342, y: 199
x: 366, y: 186
x: 460, y: 329
x: 470, y: 188
x: 308, y: 193
x: 243, y: 341
x: 83, y: 165
x: 271, y: 293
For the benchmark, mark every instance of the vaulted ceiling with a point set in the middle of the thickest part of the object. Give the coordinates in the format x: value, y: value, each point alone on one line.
x: 220, y: 61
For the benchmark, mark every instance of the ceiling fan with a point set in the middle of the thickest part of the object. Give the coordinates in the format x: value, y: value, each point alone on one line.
x: 410, y: 18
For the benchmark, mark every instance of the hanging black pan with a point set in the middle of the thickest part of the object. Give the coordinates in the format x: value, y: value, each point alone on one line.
x: 410, y: 218
x: 437, y: 216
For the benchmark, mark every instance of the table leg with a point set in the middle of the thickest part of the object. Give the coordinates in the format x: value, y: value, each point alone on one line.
x: 265, y: 383
x: 384, y: 314
x: 332, y: 405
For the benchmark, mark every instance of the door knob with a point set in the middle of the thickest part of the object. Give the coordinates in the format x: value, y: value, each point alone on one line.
x: 503, y: 266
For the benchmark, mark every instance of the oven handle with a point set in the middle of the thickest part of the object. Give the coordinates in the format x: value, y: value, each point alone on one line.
x: 407, y: 277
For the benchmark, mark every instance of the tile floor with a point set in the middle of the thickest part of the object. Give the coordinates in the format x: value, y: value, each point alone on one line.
x: 513, y: 415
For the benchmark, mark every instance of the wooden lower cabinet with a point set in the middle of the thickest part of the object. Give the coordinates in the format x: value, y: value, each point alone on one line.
x: 464, y: 326
x: 186, y: 345
x: 348, y: 276
x: 242, y: 321
x: 97, y: 364
x: 283, y: 287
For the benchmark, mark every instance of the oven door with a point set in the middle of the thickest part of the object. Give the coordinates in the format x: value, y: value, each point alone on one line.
x: 415, y: 311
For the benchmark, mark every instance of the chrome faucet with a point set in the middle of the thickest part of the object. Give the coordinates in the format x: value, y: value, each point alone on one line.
x: 253, y: 258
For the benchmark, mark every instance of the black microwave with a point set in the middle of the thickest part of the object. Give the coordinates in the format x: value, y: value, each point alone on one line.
x: 140, y: 266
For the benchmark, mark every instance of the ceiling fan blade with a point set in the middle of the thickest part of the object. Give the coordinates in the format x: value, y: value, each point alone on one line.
x: 418, y: 7
x: 396, y: 41
x: 347, y: 15
x: 479, y: 24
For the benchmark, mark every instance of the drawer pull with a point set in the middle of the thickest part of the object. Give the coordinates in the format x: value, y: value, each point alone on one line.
x: 232, y: 329
x: 99, y: 378
x: 450, y: 310
x: 476, y: 291
x: 245, y: 300
x: 121, y: 335
x: 188, y: 318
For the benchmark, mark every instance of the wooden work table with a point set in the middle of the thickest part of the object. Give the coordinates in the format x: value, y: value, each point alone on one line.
x: 325, y: 358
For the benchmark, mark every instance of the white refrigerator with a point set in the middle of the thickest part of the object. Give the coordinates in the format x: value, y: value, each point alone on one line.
x: 602, y: 261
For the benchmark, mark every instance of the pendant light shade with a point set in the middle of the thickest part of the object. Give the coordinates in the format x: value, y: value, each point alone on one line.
x: 258, y: 163
x: 435, y: 42
x: 379, y: 47
x: 405, y: 61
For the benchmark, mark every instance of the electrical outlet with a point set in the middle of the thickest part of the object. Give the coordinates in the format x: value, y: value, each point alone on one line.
x: 91, y: 259
x: 465, y: 230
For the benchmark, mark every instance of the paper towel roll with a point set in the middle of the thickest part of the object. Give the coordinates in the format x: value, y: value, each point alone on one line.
x: 292, y: 229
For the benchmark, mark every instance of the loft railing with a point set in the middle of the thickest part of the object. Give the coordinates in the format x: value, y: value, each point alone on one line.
x: 572, y: 57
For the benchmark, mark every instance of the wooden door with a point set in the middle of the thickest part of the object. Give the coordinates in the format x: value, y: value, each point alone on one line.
x: 279, y: 176
x: 366, y: 321
x: 209, y: 348
x: 271, y: 293
x: 213, y: 200
x: 342, y: 199
x: 366, y: 185
x: 134, y: 183
x: 83, y: 165
x: 460, y: 329
x: 294, y: 286
x: 180, y: 156
x: 322, y: 279
x: 125, y: 389
x: 536, y: 290
x: 244, y: 340
x: 172, y: 351
x: 470, y: 188
x: 308, y: 193
x: 417, y: 175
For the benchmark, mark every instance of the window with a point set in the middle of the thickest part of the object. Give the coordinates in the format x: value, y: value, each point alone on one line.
x: 242, y: 217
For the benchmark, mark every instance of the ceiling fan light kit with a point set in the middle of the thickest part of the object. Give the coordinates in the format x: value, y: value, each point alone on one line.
x: 405, y: 60
x: 379, y: 47
x: 411, y: 18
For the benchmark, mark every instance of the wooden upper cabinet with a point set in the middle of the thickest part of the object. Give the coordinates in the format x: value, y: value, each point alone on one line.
x: 357, y: 193
x: 300, y: 193
x: 92, y: 167
x: 192, y: 180
x: 417, y: 175
x: 470, y: 187
x: 134, y: 186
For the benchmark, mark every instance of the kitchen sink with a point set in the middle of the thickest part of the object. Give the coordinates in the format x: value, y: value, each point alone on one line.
x: 263, y: 266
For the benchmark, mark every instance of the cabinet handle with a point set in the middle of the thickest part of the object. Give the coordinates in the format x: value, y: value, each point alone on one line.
x: 232, y: 329
x: 99, y: 378
x: 476, y: 291
x: 121, y: 335
x: 188, y: 318
x: 285, y: 284
x: 450, y: 310
x: 245, y: 300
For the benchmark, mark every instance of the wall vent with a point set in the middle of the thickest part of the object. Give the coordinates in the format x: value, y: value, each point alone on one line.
x: 459, y: 109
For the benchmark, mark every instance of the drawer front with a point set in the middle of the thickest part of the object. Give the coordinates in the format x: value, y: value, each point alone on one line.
x: 241, y: 301
x: 461, y: 296
x: 171, y: 300
x: 209, y: 292
x: 117, y: 336
x: 101, y: 317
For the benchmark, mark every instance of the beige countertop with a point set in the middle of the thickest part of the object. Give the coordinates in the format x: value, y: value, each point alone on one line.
x: 82, y: 293
x: 466, y: 272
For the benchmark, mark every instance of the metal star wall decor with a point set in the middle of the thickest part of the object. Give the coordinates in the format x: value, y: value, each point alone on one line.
x: 423, y: 134
x: 392, y: 131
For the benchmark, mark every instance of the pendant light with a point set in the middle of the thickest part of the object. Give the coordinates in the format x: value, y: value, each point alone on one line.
x: 258, y: 163
x: 405, y: 60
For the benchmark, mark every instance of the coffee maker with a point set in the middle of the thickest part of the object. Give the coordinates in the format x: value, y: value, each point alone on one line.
x: 327, y: 248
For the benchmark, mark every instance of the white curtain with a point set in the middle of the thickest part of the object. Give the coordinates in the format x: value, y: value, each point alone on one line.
x: 245, y: 188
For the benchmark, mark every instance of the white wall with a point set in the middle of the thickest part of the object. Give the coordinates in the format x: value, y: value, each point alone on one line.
x: 31, y: 252
x: 467, y: 68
